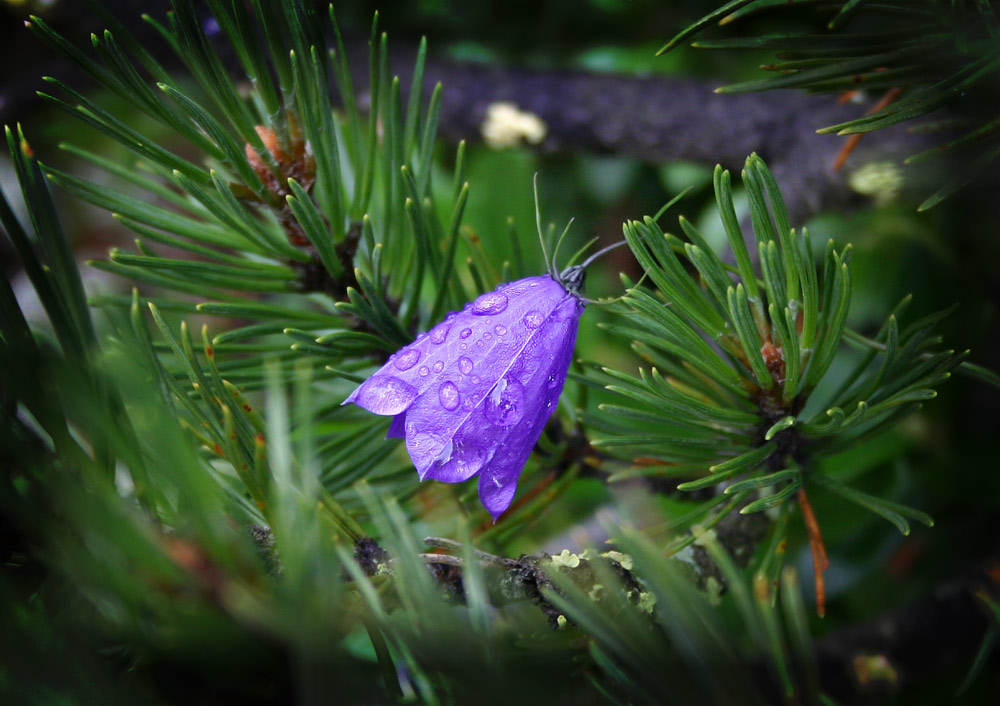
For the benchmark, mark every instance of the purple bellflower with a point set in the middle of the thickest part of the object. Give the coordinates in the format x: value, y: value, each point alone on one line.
x: 472, y: 395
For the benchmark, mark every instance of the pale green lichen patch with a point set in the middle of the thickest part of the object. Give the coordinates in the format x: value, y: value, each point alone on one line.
x: 623, y: 560
x: 714, y: 590
x: 565, y: 558
x: 647, y: 602
x: 506, y: 125
x: 880, y: 180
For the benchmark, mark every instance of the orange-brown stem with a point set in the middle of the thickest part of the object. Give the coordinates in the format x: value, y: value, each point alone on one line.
x: 820, y: 561
x: 890, y: 96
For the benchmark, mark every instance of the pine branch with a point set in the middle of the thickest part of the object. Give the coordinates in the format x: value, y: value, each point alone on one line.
x: 160, y: 494
x: 741, y: 361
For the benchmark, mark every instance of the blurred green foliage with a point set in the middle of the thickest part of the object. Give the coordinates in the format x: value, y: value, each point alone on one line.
x: 138, y: 581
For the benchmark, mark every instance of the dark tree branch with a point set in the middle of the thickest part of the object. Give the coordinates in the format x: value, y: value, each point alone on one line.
x: 658, y: 118
x: 890, y: 653
x: 652, y: 118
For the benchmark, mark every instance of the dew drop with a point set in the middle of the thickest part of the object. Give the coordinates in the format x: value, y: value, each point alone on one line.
x: 465, y: 365
x: 440, y: 332
x: 489, y: 303
x: 439, y: 366
x: 534, y: 319
x: 426, y: 445
x: 466, y: 332
x: 500, y: 329
x: 424, y: 371
x: 463, y: 346
x: 479, y: 344
x: 475, y: 381
x: 385, y: 395
x: 463, y: 463
x: 407, y: 359
x: 487, y: 336
x: 448, y: 396
x: 504, y: 406
x: 553, y: 381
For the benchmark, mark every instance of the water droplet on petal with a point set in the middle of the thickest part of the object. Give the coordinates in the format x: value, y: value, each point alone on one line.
x: 500, y: 329
x: 534, y: 318
x: 479, y: 344
x: 385, y: 394
x: 504, y: 406
x: 463, y: 463
x: 462, y: 347
x: 465, y: 365
x: 466, y: 332
x: 420, y: 440
x: 440, y: 332
x: 487, y: 336
x: 427, y: 447
x: 445, y: 454
x: 407, y: 359
x: 475, y: 381
x: 424, y: 371
x: 438, y: 366
x: 489, y: 303
x: 448, y: 396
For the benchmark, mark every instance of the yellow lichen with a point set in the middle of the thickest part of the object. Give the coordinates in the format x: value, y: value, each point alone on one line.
x: 647, y: 601
x: 624, y: 560
x: 507, y: 126
x: 565, y: 558
x: 880, y: 180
